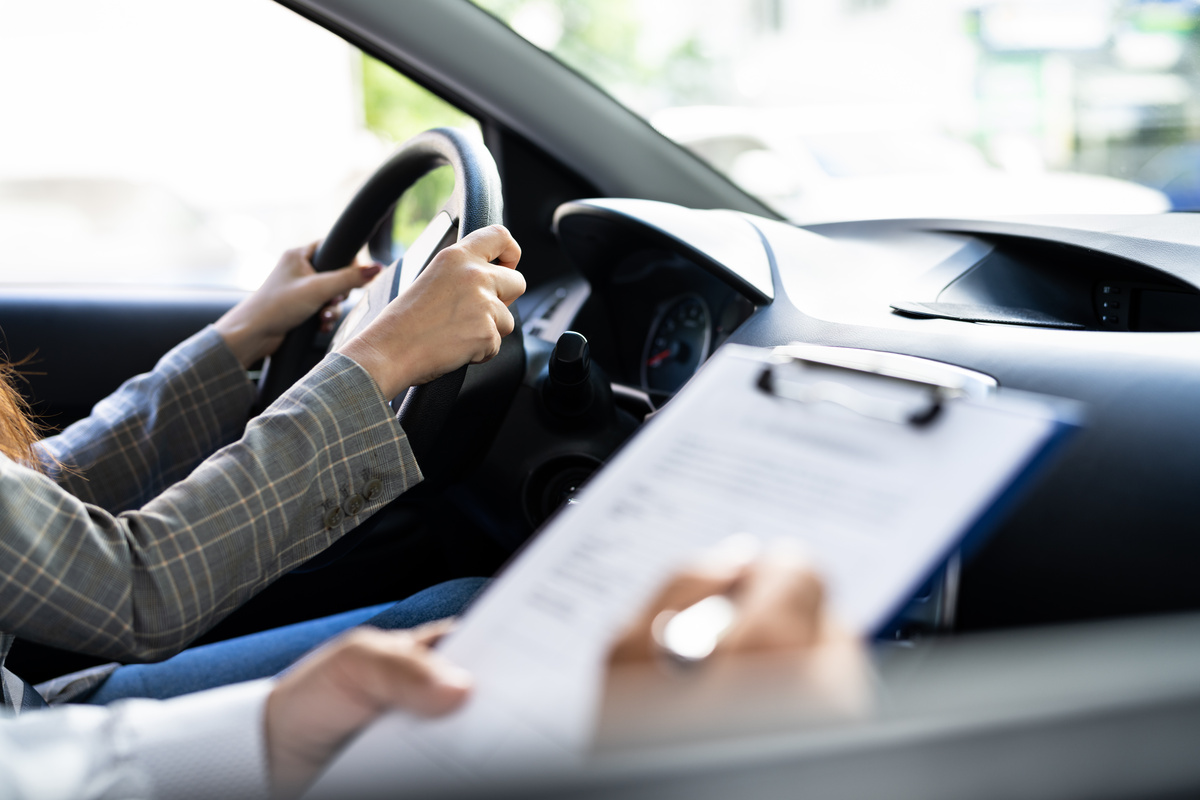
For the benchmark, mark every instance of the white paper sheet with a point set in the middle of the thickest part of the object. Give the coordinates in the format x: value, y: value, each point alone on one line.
x: 877, y: 504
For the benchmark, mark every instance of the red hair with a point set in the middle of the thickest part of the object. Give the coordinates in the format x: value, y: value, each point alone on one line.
x: 18, y: 431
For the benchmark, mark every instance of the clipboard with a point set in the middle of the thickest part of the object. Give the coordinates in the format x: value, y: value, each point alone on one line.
x: 880, y: 470
x: 932, y: 608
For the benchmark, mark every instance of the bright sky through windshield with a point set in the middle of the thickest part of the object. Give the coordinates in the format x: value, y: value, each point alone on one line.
x: 836, y: 109
x: 160, y: 142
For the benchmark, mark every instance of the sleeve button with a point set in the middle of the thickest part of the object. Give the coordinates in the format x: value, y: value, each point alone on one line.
x: 354, y: 504
x: 373, y: 489
x: 333, y: 517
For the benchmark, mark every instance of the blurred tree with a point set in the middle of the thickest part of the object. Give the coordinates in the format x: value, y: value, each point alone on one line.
x: 396, y: 108
x: 603, y: 40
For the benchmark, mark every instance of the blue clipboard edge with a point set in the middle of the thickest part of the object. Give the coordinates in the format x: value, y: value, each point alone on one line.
x: 1068, y: 417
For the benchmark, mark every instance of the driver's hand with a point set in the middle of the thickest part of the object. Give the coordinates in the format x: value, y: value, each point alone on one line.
x: 782, y: 661
x: 292, y: 293
x: 454, y: 313
x: 320, y: 703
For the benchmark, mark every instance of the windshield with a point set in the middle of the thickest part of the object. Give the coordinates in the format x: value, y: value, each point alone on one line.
x: 844, y: 109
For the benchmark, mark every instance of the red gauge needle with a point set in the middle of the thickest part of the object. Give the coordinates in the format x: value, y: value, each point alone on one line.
x: 658, y: 358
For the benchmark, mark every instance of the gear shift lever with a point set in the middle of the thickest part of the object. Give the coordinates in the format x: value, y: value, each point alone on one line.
x: 575, y: 389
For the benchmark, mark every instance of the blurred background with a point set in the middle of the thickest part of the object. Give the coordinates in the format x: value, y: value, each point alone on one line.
x: 163, y: 142
x: 837, y: 109
x: 184, y: 143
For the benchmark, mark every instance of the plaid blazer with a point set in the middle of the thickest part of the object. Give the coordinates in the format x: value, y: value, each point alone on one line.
x: 143, y: 544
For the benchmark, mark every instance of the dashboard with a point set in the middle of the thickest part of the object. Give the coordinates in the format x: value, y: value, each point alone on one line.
x: 1102, y: 310
x: 657, y: 317
x: 652, y: 304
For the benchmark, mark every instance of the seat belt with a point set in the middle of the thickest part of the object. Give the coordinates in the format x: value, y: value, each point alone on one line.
x: 18, y: 695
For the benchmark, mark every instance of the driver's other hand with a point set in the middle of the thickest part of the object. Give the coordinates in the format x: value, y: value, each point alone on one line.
x: 323, y: 701
x: 782, y: 661
x: 454, y: 313
x: 292, y: 293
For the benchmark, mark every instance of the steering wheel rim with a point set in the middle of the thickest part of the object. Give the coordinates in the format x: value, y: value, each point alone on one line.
x: 476, y: 202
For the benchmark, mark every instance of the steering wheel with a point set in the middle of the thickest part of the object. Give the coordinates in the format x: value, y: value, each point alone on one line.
x: 439, y: 427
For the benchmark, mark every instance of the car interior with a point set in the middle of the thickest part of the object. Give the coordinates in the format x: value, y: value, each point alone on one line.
x: 658, y: 261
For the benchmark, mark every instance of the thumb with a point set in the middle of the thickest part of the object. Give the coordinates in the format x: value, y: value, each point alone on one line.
x: 391, y: 671
x: 327, y: 285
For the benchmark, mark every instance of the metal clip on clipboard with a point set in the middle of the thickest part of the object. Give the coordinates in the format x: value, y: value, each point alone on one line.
x: 941, y: 382
x: 917, y: 415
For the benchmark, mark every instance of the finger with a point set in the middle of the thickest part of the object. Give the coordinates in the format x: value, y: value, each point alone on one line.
x: 691, y: 585
x: 327, y: 285
x: 780, y: 602
x: 493, y: 243
x: 431, y: 633
x: 394, y: 671
x: 488, y: 351
x: 509, y: 285
x: 310, y: 251
x: 505, y: 323
x: 362, y: 260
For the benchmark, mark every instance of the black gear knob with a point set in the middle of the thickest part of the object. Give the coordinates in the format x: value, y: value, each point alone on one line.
x: 571, y: 360
x: 575, y: 390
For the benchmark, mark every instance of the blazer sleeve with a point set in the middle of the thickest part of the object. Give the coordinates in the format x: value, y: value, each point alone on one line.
x: 155, y: 428
x: 142, y: 584
x: 203, y: 745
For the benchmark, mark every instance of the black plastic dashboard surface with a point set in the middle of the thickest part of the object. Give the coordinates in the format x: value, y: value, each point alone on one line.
x: 1111, y: 530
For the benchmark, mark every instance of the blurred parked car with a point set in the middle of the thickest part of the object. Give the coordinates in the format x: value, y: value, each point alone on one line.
x: 822, y: 164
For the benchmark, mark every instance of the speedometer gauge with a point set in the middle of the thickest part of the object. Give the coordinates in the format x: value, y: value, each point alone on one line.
x: 677, y: 344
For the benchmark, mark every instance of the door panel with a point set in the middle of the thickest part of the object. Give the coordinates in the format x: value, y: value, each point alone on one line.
x: 82, y: 344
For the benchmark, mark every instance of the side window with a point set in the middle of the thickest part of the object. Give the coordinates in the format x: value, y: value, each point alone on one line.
x: 396, y: 109
x: 188, y: 144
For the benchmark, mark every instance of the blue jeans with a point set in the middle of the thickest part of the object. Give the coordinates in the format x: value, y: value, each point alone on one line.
x: 261, y: 655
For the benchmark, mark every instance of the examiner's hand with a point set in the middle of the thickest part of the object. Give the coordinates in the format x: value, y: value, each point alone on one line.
x: 454, y: 313
x: 323, y: 701
x: 782, y: 660
x: 292, y: 293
